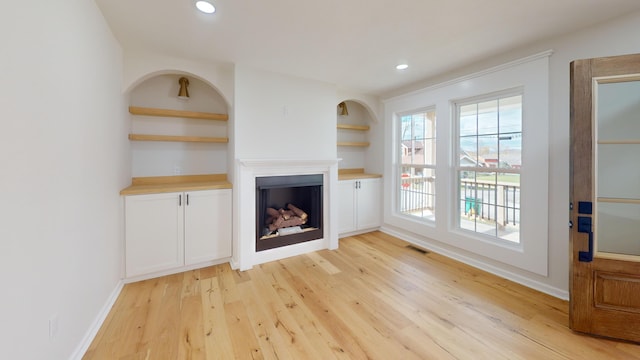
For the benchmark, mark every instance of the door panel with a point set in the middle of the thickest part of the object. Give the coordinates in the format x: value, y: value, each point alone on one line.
x: 616, y: 159
x: 621, y: 224
x: 207, y: 226
x: 617, y: 292
x: 605, y: 181
x: 346, y: 206
x: 153, y: 233
x: 368, y: 207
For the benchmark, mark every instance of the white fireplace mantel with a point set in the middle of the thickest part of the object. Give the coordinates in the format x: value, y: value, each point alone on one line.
x: 245, y: 255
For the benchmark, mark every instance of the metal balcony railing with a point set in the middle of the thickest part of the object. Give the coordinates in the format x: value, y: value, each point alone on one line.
x: 417, y: 196
x: 488, y: 201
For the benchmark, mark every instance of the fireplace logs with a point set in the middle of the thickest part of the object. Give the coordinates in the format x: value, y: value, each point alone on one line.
x: 282, y: 218
x: 288, y: 210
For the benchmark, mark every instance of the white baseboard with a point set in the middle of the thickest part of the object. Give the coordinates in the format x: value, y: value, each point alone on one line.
x: 82, y: 348
x: 357, y: 232
x: 136, y: 278
x: 522, y: 280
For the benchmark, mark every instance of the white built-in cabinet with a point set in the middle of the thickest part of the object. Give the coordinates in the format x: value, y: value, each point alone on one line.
x: 360, y: 205
x: 207, y: 226
x: 170, y: 231
x: 153, y: 231
x: 359, y: 191
x: 178, y: 206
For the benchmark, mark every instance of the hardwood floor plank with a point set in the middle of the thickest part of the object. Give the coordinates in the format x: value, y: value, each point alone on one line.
x: 270, y: 340
x: 360, y: 300
x: 243, y: 338
x: 163, y: 337
x: 217, y: 338
x: 227, y: 284
x: 208, y: 272
x: 190, y: 284
x: 465, y: 319
x: 373, y: 298
x: 191, y: 345
x: 366, y: 326
x: 151, y: 305
x: 346, y: 342
x: 373, y: 270
x: 291, y: 317
x: 323, y: 263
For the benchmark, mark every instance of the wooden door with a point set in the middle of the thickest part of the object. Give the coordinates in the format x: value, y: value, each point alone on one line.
x: 605, y: 197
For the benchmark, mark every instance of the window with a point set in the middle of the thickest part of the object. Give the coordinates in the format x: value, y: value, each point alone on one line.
x: 417, y: 164
x: 488, y: 165
x: 492, y: 166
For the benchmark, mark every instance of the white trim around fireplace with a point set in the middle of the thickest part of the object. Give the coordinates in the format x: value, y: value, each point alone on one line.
x: 245, y: 255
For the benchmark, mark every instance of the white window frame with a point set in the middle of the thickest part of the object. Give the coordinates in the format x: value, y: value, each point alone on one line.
x: 531, y: 254
x: 398, y: 169
x: 519, y: 91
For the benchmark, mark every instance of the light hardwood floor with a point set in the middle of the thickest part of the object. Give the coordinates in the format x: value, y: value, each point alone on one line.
x: 373, y: 298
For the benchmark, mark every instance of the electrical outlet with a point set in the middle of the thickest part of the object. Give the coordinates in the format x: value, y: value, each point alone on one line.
x: 53, y: 326
x: 177, y: 170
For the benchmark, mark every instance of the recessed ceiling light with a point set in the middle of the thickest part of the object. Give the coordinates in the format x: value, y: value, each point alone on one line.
x: 402, y: 67
x: 206, y: 7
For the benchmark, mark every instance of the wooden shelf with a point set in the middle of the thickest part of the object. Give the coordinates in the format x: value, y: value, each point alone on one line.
x: 164, y: 184
x: 135, y: 110
x: 354, y: 143
x: 353, y: 127
x: 201, y: 139
x: 355, y: 174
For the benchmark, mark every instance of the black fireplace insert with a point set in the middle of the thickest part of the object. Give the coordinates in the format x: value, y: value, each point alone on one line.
x: 288, y: 210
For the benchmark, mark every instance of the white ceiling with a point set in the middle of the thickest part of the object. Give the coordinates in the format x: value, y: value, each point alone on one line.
x: 352, y: 43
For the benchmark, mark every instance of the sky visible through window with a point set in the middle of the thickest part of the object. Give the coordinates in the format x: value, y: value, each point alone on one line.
x: 420, y: 120
x: 492, y: 130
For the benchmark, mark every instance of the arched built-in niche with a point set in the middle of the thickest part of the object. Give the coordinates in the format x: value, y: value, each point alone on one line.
x: 359, y: 169
x: 157, y: 76
x: 177, y: 213
x: 172, y: 136
x: 353, y: 126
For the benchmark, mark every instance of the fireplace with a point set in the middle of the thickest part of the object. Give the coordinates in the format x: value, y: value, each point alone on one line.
x: 288, y: 210
x: 246, y: 223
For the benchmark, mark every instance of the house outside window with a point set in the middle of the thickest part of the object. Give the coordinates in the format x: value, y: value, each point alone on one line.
x: 416, y: 193
x: 489, y: 159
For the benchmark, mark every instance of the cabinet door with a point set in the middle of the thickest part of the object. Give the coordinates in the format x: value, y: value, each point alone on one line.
x: 207, y: 225
x: 153, y: 233
x: 346, y: 206
x: 369, y: 203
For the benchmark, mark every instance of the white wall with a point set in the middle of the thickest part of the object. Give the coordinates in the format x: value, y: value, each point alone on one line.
x: 64, y: 154
x: 283, y: 117
x: 610, y: 38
